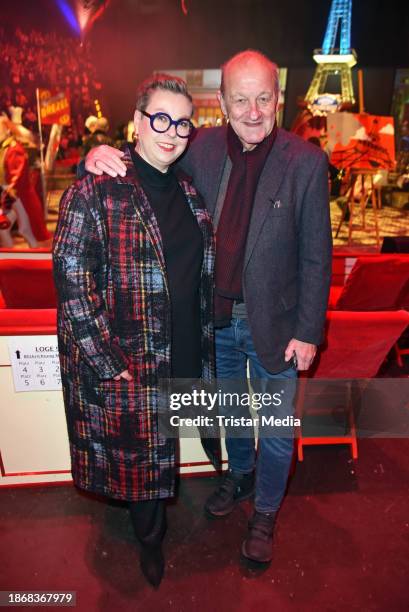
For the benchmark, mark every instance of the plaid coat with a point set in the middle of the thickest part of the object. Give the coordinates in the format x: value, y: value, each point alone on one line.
x: 114, y: 314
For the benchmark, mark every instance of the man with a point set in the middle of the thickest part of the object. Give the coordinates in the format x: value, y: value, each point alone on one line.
x: 268, y: 193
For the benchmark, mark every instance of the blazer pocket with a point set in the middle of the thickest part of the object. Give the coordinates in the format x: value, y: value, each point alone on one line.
x: 278, y: 209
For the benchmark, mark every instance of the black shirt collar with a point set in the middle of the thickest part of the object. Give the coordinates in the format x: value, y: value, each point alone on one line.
x: 150, y: 175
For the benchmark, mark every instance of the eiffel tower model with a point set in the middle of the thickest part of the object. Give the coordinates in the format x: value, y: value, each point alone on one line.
x: 331, y: 60
x: 334, y: 61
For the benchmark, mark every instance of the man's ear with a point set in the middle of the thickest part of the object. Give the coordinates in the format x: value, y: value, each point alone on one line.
x: 278, y: 101
x: 136, y: 121
x: 222, y: 103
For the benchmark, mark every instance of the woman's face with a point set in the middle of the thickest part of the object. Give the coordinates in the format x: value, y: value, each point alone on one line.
x: 162, y: 149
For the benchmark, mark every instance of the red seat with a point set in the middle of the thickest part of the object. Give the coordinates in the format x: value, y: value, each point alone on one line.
x: 334, y: 296
x: 343, y: 260
x: 27, y: 283
x: 356, y: 345
x: 22, y: 322
x: 375, y: 283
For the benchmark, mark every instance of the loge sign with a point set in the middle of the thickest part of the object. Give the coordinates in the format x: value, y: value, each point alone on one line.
x: 34, y: 362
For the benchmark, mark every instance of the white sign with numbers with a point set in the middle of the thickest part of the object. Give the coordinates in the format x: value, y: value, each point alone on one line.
x: 35, y: 363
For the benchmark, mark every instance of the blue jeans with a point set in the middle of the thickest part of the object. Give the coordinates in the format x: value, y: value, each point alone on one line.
x: 234, y: 346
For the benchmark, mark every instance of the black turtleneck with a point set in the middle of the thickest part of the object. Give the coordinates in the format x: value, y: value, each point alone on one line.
x: 183, y: 250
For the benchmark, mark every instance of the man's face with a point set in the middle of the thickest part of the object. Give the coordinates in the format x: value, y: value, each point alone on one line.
x: 162, y: 149
x: 249, y: 100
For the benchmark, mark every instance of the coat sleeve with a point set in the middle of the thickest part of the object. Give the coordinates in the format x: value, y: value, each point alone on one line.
x: 78, y: 259
x: 314, y: 256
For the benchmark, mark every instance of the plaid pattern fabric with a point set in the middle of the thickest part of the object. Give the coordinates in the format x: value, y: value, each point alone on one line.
x: 114, y: 314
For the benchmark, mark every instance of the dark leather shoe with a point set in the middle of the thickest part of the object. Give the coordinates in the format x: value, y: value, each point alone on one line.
x: 233, y: 489
x: 258, y: 546
x: 152, y: 564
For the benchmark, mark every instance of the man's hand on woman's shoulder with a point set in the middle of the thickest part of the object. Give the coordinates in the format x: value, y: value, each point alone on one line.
x: 105, y: 159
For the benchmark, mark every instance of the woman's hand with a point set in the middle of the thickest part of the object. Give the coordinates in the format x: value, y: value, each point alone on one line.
x: 105, y: 159
x: 125, y: 374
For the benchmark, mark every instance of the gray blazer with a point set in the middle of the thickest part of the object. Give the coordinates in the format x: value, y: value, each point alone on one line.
x: 287, y: 268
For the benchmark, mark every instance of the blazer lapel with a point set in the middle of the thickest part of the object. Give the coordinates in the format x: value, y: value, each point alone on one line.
x: 269, y: 184
x: 218, y: 162
x: 208, y: 176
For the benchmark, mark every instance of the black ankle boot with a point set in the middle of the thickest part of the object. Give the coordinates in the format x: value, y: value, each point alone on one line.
x: 258, y: 546
x: 152, y: 564
x: 149, y: 522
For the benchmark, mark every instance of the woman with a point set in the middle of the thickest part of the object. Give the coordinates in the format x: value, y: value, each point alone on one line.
x: 133, y: 260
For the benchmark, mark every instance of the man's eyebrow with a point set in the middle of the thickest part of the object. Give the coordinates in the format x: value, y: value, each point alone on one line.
x: 240, y: 95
